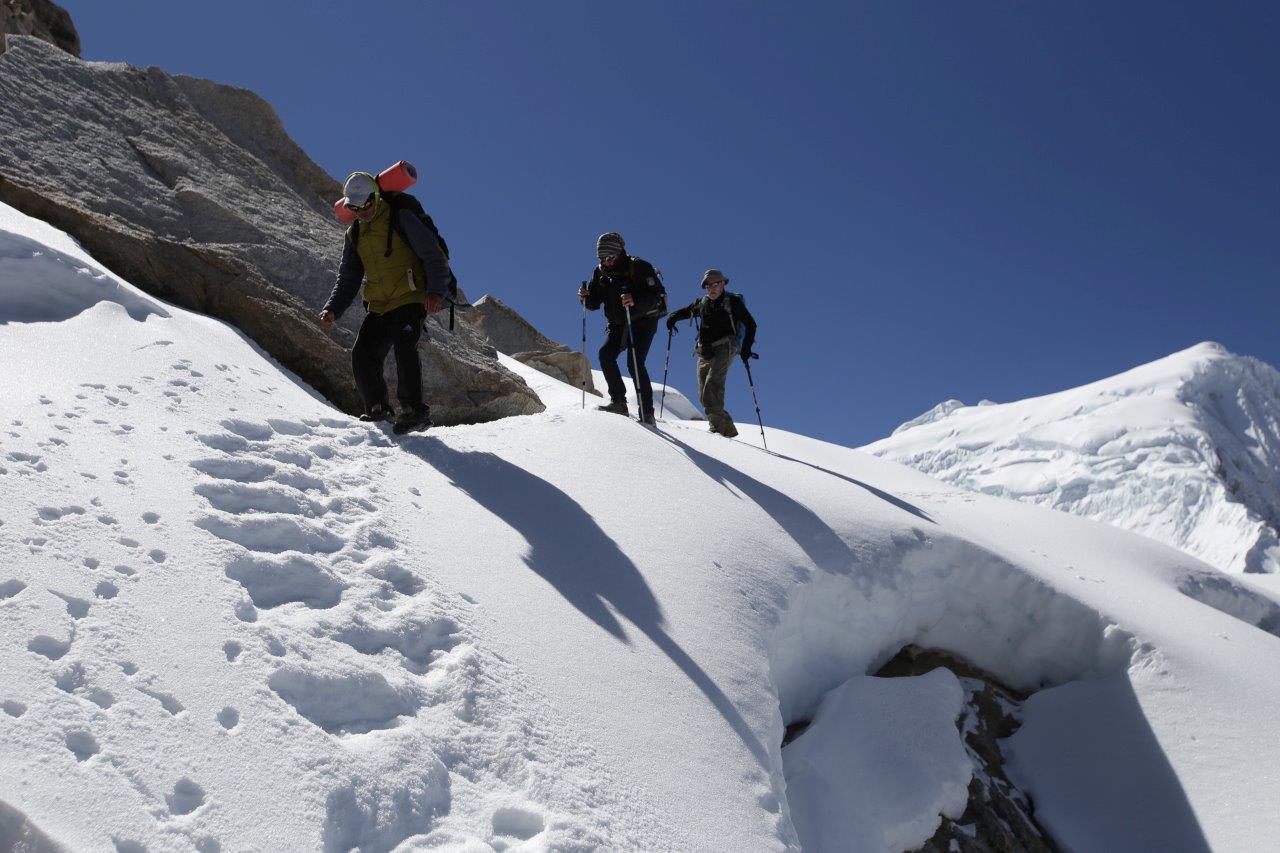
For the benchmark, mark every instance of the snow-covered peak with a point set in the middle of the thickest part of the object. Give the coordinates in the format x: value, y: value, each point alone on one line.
x: 1185, y: 449
x: 937, y: 413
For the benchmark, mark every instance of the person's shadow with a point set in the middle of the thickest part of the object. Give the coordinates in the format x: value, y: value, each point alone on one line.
x: 905, y: 506
x: 822, y: 545
x: 569, y: 550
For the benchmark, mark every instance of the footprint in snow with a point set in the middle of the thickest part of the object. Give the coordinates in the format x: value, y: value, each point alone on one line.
x: 82, y: 744
x: 243, y: 498
x: 232, y: 649
x: 77, y: 608
x: 187, y: 796
x: 343, y: 702
x: 167, y: 700
x: 515, y: 822
x: 70, y: 678
x: 10, y: 588
x: 229, y: 718
x: 273, y: 534
x: 273, y: 581
x: 417, y: 641
x: 54, y: 513
x: 102, y: 698
x: 397, y: 578
x: 49, y: 647
x: 12, y: 708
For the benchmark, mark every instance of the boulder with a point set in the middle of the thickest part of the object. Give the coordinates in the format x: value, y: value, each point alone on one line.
x: 566, y: 365
x: 41, y: 19
x: 512, y: 335
x: 194, y: 192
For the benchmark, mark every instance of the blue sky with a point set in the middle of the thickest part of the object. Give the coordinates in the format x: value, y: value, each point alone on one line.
x: 918, y: 200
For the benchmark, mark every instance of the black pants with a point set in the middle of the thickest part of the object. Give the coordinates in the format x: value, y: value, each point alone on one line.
x: 398, y: 329
x: 615, y: 342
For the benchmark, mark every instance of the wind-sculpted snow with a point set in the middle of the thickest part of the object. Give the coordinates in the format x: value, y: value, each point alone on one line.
x: 856, y: 743
x: 42, y: 284
x: 234, y: 619
x: 1185, y: 450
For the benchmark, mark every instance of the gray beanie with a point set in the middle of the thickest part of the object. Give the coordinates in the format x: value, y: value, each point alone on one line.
x: 608, y: 244
x: 713, y: 275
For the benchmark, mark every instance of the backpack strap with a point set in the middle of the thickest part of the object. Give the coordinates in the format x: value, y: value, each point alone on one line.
x: 394, y: 225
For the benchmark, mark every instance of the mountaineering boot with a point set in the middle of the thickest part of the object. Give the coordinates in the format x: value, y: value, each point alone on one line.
x: 377, y: 413
x: 412, y: 420
x: 727, y: 429
x: 617, y: 407
x: 648, y: 418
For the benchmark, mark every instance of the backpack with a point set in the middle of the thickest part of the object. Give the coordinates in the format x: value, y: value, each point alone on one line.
x: 739, y: 330
x: 404, y: 201
x: 659, y: 290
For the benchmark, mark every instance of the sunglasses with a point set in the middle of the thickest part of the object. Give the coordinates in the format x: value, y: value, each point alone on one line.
x: 710, y: 284
x: 358, y: 208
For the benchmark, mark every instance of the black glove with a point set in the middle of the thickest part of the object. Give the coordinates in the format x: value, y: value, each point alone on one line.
x: 746, y: 353
x: 671, y: 324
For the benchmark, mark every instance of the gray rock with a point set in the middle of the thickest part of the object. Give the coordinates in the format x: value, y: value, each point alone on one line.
x: 41, y: 19
x: 506, y: 330
x: 193, y: 191
x: 999, y: 817
x: 512, y: 335
x: 566, y: 365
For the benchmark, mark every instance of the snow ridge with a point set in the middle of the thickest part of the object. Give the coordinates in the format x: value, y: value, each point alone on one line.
x: 1185, y: 450
x: 235, y: 620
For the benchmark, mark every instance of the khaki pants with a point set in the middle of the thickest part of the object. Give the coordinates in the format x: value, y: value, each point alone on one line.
x: 713, y: 369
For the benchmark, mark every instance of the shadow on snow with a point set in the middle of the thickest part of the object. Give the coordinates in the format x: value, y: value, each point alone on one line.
x: 569, y: 550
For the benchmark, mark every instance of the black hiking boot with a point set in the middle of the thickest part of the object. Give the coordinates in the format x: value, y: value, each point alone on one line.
x: 617, y: 407
x: 412, y: 420
x: 648, y: 418
x: 727, y: 429
x: 377, y: 413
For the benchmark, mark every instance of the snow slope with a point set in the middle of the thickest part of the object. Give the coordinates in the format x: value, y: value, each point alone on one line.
x: 1185, y: 450
x: 231, y: 618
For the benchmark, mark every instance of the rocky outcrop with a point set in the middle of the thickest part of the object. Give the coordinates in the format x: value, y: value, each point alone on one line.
x: 512, y: 335
x: 41, y: 19
x: 999, y: 818
x: 193, y: 191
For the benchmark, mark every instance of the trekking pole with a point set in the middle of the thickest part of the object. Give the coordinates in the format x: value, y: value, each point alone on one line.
x: 665, y: 365
x: 587, y: 375
x: 747, y: 363
x: 635, y: 369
